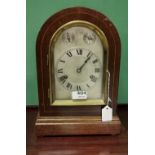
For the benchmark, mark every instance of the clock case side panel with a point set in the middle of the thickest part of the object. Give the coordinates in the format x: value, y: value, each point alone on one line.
x: 42, y: 49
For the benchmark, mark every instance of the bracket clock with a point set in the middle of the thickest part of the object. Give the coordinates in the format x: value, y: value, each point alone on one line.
x: 78, y: 58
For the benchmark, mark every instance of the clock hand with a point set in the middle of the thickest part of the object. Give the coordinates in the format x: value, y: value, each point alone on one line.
x: 80, y: 68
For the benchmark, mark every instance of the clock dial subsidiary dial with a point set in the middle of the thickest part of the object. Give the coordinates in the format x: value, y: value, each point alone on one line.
x: 78, y: 69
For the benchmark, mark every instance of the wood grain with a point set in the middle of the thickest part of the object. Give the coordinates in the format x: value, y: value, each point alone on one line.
x: 42, y: 49
x: 77, y: 125
x: 77, y: 145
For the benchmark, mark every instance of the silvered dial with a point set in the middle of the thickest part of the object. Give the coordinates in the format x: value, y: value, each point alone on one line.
x: 78, y: 62
x: 78, y: 69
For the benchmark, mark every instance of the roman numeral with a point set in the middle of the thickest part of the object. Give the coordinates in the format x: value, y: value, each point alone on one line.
x: 95, y: 61
x: 78, y: 88
x: 93, y: 78
x: 97, y: 70
x: 79, y: 51
x: 60, y: 70
x: 69, y: 85
x: 69, y: 54
x: 62, y: 61
x: 63, y: 78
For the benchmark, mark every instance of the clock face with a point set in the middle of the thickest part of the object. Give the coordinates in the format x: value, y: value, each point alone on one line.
x: 78, y: 69
x: 78, y: 62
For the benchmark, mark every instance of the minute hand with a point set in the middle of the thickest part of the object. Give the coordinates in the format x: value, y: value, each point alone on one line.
x: 79, y: 69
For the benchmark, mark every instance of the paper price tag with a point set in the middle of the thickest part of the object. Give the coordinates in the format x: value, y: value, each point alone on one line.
x: 106, y: 114
x: 79, y: 95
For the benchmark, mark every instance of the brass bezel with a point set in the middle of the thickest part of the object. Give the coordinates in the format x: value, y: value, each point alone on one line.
x: 104, y: 41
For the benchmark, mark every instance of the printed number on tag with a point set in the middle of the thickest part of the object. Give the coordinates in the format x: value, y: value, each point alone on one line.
x: 78, y: 95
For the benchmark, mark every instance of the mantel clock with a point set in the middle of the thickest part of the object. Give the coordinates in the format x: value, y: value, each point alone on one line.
x: 78, y: 58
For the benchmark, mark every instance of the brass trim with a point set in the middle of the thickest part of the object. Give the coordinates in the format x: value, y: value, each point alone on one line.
x: 78, y: 102
x: 104, y: 41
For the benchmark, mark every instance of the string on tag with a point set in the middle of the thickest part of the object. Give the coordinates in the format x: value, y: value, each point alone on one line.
x: 108, y: 100
x: 107, y: 110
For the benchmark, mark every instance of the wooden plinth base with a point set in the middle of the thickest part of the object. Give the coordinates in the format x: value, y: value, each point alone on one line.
x: 76, y: 125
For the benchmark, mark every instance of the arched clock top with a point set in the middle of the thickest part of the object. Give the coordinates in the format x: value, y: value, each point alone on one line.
x: 111, y: 43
